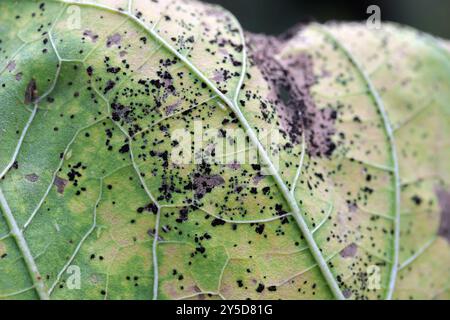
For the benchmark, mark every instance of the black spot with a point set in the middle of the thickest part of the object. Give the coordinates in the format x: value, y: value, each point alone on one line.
x: 217, y: 222
x: 417, y: 200
x: 260, y: 229
x: 260, y: 288
x: 89, y: 71
x: 125, y: 148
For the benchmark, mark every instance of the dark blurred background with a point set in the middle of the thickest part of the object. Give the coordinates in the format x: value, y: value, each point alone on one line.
x: 275, y: 16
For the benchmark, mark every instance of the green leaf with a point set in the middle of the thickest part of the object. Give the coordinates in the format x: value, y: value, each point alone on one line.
x: 148, y: 150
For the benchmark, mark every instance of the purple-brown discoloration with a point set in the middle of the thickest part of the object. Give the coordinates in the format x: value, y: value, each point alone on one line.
x: 349, y: 251
x: 11, y: 66
x: 60, y: 184
x: 444, y: 203
x: 91, y: 35
x: 205, y: 183
x: 114, y: 39
x: 31, y: 92
x: 291, y: 79
x: 32, y: 177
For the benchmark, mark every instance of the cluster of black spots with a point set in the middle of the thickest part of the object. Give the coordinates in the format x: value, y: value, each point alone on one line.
x: 113, y: 70
x: 163, y: 156
x: 217, y: 222
x: 260, y: 228
x: 169, y: 186
x: 266, y: 190
x: 73, y: 175
x: 125, y: 148
x: 151, y: 207
x: 204, y: 181
x: 178, y: 275
x: 93, y: 256
x: 133, y: 279
x: 200, y: 249
x: 120, y: 113
x: 183, y: 215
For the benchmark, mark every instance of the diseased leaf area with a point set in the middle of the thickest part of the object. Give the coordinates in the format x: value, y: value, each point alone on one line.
x: 352, y: 201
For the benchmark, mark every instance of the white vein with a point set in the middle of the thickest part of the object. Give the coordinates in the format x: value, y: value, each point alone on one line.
x: 264, y: 220
x: 393, y: 152
x: 55, y: 173
x: 83, y: 239
x: 417, y: 254
x: 300, y: 166
x: 19, y: 143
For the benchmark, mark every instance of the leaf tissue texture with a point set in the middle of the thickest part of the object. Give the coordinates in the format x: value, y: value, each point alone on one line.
x: 97, y: 198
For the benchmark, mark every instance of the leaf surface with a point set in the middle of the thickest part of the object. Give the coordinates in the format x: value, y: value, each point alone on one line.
x: 156, y: 152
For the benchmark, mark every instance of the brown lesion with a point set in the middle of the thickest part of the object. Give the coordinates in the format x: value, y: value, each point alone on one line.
x: 31, y: 92
x: 32, y: 177
x: 349, y: 251
x: 11, y: 65
x: 291, y: 80
x: 114, y: 39
x: 204, y: 184
x: 91, y: 35
x: 60, y: 184
x: 443, y: 197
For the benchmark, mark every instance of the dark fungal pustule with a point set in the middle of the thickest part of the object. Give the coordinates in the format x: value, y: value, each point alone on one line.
x: 217, y: 222
x: 125, y: 148
x: 259, y: 229
x: 183, y: 215
x: 151, y: 207
x: 290, y: 82
x: 89, y: 70
x: 260, y: 288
